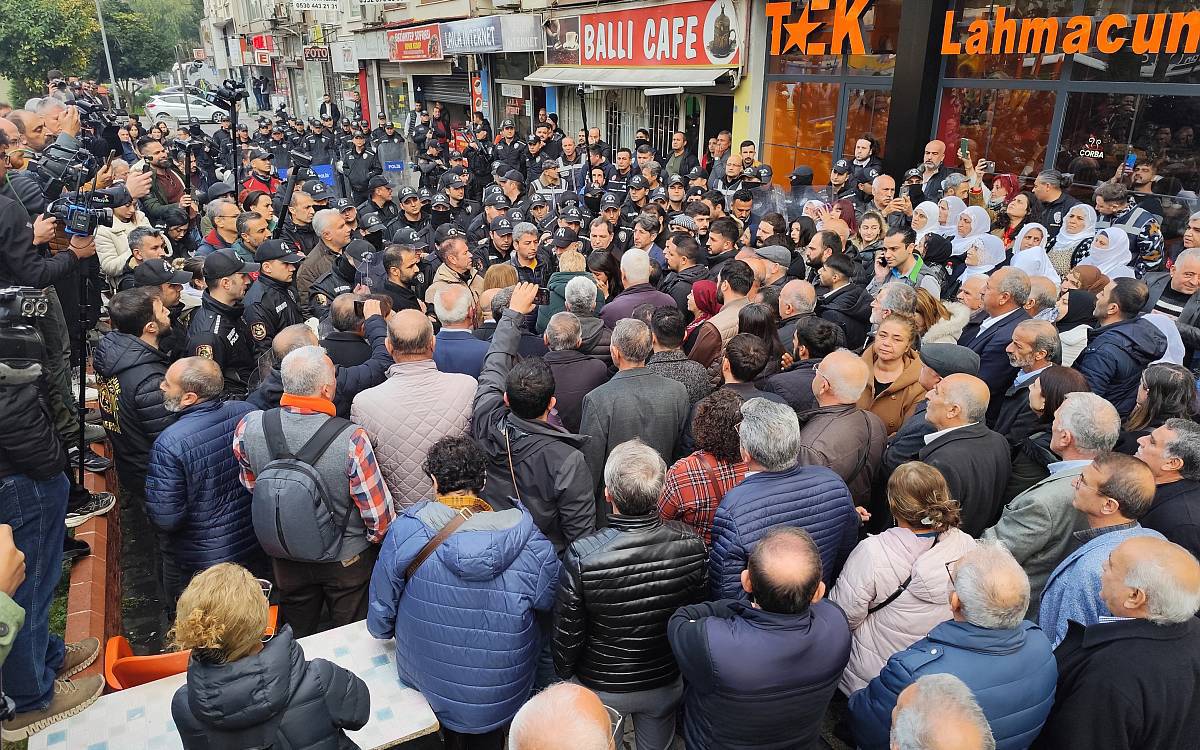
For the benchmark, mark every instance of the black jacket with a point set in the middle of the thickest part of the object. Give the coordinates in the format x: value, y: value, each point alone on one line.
x: 129, y: 372
x: 274, y: 698
x: 20, y: 262
x: 1189, y: 319
x: 270, y: 306
x: 305, y: 236
x: 597, y: 338
x: 346, y: 349
x: 325, y: 290
x: 1116, y: 356
x: 850, y: 309
x: 975, y: 462
x: 575, y: 375
x: 994, y: 366
x: 1125, y: 685
x: 1015, y: 420
x: 552, y: 478
x: 678, y: 284
x: 219, y: 332
x: 359, y: 168
x: 794, y: 384
x: 28, y: 443
x: 617, y: 590
x: 1175, y: 513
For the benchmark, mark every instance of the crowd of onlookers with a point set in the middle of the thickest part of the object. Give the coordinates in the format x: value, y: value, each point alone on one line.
x: 600, y: 436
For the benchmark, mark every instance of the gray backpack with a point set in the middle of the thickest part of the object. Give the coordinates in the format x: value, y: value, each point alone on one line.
x: 293, y: 513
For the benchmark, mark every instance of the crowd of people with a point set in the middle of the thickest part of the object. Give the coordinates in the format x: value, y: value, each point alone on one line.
x: 604, y: 437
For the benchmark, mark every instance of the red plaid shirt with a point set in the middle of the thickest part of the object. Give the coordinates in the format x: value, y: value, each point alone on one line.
x: 688, y: 493
x: 367, y: 488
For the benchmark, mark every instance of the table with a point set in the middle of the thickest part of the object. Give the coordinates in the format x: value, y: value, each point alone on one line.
x: 140, y: 718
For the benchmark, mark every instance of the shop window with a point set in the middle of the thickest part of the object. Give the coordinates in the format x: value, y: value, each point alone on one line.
x: 1011, y: 66
x: 881, y: 31
x: 395, y: 93
x: 866, y: 114
x: 794, y: 61
x: 1010, y: 127
x: 1127, y: 65
x: 1099, y: 131
x: 800, y: 121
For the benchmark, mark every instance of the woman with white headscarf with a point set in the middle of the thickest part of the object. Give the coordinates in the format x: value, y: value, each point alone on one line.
x: 925, y: 219
x: 1110, y: 253
x: 972, y: 224
x: 985, y: 252
x: 949, y: 209
x: 1074, y: 239
x: 1029, y: 253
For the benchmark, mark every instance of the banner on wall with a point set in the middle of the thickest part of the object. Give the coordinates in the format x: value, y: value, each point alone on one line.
x: 345, y: 59
x: 701, y: 33
x: 415, y: 44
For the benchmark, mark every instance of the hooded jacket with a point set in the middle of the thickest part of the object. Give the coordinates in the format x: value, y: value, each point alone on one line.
x: 874, y: 571
x: 1115, y: 357
x: 948, y: 331
x: 850, y: 309
x: 552, y: 478
x: 597, y: 340
x: 274, y: 698
x: 129, y: 373
x: 465, y: 623
x: 1011, y: 672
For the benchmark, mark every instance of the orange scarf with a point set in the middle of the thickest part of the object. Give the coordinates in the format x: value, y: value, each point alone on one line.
x: 313, y: 403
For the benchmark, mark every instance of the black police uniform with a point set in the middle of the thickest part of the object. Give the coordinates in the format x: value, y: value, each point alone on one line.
x: 219, y: 332
x: 380, y: 136
x: 359, y: 168
x: 327, y: 288
x: 830, y: 194
x: 280, y: 158
x: 387, y: 213
x: 511, y: 154
x: 271, y: 306
x: 321, y: 147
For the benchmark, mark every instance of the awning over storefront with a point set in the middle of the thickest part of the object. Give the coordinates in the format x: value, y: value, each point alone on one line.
x: 615, y: 78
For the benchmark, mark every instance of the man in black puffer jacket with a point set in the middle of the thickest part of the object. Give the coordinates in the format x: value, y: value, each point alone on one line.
x: 634, y: 574
x: 130, y: 367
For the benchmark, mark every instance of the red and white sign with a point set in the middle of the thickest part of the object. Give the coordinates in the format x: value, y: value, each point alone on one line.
x: 701, y: 33
x: 263, y: 41
x: 415, y: 44
x: 476, y: 92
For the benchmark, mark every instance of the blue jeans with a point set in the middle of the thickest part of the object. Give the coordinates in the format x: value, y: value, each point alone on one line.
x: 36, y: 510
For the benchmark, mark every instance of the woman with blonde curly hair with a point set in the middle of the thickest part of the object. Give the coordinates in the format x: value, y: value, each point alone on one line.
x: 940, y: 322
x: 244, y: 691
x: 895, y: 586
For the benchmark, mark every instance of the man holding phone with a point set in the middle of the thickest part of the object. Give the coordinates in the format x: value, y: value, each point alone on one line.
x: 933, y: 170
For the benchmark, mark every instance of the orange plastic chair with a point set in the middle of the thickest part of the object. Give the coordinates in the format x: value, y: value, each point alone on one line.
x: 123, y: 670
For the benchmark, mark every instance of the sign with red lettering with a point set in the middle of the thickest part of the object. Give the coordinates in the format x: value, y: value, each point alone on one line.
x: 415, y: 43
x: 697, y: 34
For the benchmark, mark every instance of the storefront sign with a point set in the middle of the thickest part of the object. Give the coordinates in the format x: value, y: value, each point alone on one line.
x: 303, y: 5
x: 345, y: 60
x: 473, y: 35
x: 512, y: 89
x: 414, y: 44
x: 476, y: 92
x: 1152, y: 34
x: 703, y: 33
x: 316, y: 53
x: 485, y: 98
x: 262, y: 59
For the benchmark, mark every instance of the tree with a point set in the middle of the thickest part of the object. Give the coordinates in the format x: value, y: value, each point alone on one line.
x: 42, y: 35
x: 139, y: 48
x: 179, y: 19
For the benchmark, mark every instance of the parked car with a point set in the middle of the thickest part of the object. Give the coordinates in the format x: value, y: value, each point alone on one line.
x: 170, y: 108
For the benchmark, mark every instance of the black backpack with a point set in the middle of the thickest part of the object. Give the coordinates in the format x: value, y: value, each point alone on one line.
x: 293, y: 512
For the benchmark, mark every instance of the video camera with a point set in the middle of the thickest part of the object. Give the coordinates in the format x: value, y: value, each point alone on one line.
x: 229, y: 93
x: 98, y: 128
x: 58, y: 167
x: 21, y: 347
x: 82, y: 212
x: 18, y: 303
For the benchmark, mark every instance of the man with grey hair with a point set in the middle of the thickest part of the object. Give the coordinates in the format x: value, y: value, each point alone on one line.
x: 894, y: 297
x: 1003, y: 299
x: 635, y: 280
x: 359, y: 505
x: 1043, y: 296
x: 330, y: 226
x: 458, y: 350
x: 1120, y: 680
x: 145, y: 244
x: 1037, y: 526
x: 635, y: 403
x: 1173, y: 293
x: 778, y: 490
x: 564, y: 716
x: 644, y: 569
x: 596, y: 338
x: 797, y: 300
x: 197, y: 508
x: 1172, y: 451
x: 1034, y: 347
x: 973, y: 459
x: 575, y: 373
x: 222, y: 214
x: 938, y: 712
x: 1002, y: 658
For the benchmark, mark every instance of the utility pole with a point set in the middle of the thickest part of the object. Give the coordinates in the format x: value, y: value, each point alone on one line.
x: 187, y: 96
x: 108, y: 57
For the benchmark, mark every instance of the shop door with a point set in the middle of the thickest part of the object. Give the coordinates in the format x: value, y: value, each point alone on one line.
x: 662, y: 114
x: 718, y: 116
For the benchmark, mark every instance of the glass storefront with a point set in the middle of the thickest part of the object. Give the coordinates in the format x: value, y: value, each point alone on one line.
x: 395, y: 94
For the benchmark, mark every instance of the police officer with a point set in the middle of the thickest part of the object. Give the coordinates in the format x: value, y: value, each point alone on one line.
x: 379, y: 200
x: 351, y: 266
x: 412, y: 214
x: 495, y: 205
x: 272, y: 303
x: 462, y: 211
x: 839, y: 183
x: 161, y: 273
x: 262, y: 136
x: 405, y: 282
x: 359, y: 164
x: 381, y: 128
x: 217, y: 330
x: 279, y: 148
x: 510, y: 150
x: 497, y: 246
x: 610, y: 210
x: 319, y: 144
x: 481, y: 154
x: 635, y: 200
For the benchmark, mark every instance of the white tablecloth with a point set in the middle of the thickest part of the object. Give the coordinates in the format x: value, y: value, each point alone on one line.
x: 140, y: 718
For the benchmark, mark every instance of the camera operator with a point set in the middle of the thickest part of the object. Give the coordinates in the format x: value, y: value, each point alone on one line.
x: 33, y: 500
x: 169, y: 187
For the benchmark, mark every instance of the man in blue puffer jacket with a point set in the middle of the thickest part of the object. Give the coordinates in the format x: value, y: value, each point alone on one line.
x: 466, y: 619
x: 1005, y: 660
x: 777, y: 492
x: 193, y: 496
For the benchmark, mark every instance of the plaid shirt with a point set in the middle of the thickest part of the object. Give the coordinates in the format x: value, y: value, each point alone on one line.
x: 367, y: 488
x: 688, y: 494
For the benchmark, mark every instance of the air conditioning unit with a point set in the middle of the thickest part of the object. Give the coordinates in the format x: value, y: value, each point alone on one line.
x: 372, y: 13
x: 507, y: 3
x: 282, y: 12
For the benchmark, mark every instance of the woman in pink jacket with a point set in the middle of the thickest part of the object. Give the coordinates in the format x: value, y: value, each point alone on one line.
x: 895, y: 586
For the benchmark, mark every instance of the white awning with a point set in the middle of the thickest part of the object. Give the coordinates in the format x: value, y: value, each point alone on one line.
x: 617, y: 78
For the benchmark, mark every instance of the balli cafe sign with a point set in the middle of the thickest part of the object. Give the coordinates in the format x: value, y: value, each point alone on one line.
x: 793, y: 28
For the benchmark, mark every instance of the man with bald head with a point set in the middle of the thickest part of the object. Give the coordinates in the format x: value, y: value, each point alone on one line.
x: 838, y: 434
x: 973, y: 459
x: 938, y: 712
x: 32, y: 128
x: 564, y: 716
x: 885, y: 203
x: 1120, y: 681
x: 1112, y: 492
x: 1003, y: 659
x: 797, y: 300
x: 436, y: 405
x: 933, y: 171
x: 761, y: 672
